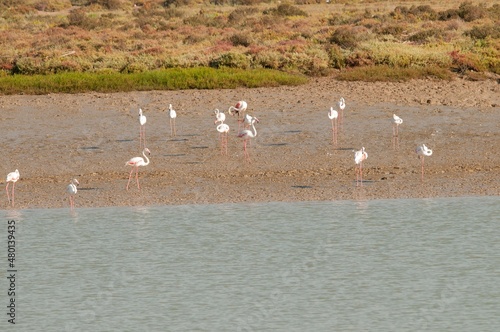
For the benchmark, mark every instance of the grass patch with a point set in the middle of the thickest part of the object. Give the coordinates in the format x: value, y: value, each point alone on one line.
x: 167, y: 79
x: 393, y: 74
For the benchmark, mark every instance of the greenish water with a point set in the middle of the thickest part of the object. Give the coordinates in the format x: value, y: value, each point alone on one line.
x: 382, y: 265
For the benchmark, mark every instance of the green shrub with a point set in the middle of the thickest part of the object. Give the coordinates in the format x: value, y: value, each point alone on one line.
x: 391, y: 74
x: 462, y: 63
x: 231, y: 60
x: 425, y: 36
x: 484, y: 31
x: 469, y: 12
x: 286, y: 10
x: 348, y: 37
x: 240, y: 39
x: 422, y: 13
x: 394, y: 30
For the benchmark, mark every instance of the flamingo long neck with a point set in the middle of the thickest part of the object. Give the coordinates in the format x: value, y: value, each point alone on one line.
x: 255, y: 130
x: 147, y: 159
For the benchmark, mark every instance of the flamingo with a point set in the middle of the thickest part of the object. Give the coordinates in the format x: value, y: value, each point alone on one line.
x: 249, y: 119
x: 12, y: 177
x: 240, y: 107
x: 359, y: 157
x: 333, y: 115
x: 247, y: 134
x: 396, y: 121
x: 219, y: 116
x: 136, y: 162
x: 423, y: 151
x: 341, y: 104
x: 142, y: 128
x: 172, y: 114
x: 71, y: 190
x: 223, y: 130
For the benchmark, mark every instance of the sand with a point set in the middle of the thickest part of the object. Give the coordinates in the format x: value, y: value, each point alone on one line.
x: 54, y: 138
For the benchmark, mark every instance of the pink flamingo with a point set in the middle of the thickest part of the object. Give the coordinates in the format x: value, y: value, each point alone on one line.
x: 72, y: 190
x: 142, y: 129
x: 223, y: 130
x: 423, y: 151
x: 136, y: 162
x: 173, y: 115
x: 12, y: 177
x: 396, y: 121
x: 247, y: 134
x: 359, y: 157
x: 333, y: 115
x: 240, y: 107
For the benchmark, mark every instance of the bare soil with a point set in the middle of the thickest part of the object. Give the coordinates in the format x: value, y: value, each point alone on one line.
x: 54, y: 138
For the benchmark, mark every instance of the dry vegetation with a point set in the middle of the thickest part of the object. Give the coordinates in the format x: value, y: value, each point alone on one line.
x: 354, y: 39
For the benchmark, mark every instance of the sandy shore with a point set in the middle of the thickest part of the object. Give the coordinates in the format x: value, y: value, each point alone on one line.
x: 54, y: 138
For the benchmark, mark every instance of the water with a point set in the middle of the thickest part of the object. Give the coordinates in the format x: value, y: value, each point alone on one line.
x: 382, y: 265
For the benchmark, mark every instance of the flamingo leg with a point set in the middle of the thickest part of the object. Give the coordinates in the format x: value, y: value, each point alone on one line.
x: 129, y: 177
x: 333, y: 133
x: 422, y: 176
x: 247, y: 156
x: 137, y: 177
x: 357, y: 175
x: 361, y: 173
x: 13, y: 186
x: 175, y: 130
x: 7, y: 190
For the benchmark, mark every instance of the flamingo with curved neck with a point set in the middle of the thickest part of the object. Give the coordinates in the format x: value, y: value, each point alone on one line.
x: 248, y: 134
x: 135, y: 163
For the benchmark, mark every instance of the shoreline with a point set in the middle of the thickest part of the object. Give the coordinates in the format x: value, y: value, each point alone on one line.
x: 54, y: 138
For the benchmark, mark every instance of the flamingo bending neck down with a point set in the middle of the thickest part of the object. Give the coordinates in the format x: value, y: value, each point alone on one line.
x: 172, y: 114
x: 240, y: 107
x: 223, y: 130
x: 11, y: 177
x: 423, y: 151
x: 72, y: 190
x: 359, y: 157
x: 135, y: 163
x: 247, y: 134
x: 333, y: 115
x: 142, y: 129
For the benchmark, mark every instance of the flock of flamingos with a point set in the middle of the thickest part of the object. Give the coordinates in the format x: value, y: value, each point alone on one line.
x: 246, y: 134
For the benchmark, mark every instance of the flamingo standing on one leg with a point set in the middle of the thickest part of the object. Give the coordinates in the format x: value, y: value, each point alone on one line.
x: 223, y: 130
x: 136, y: 162
x: 142, y: 129
x: 240, y: 107
x: 359, y: 157
x: 396, y: 121
x: 423, y: 151
x: 341, y: 105
x: 247, y: 134
x: 72, y: 190
x: 333, y: 115
x: 12, y: 177
x: 172, y: 114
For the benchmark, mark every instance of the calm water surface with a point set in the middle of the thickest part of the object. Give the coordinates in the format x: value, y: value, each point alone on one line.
x: 384, y: 265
